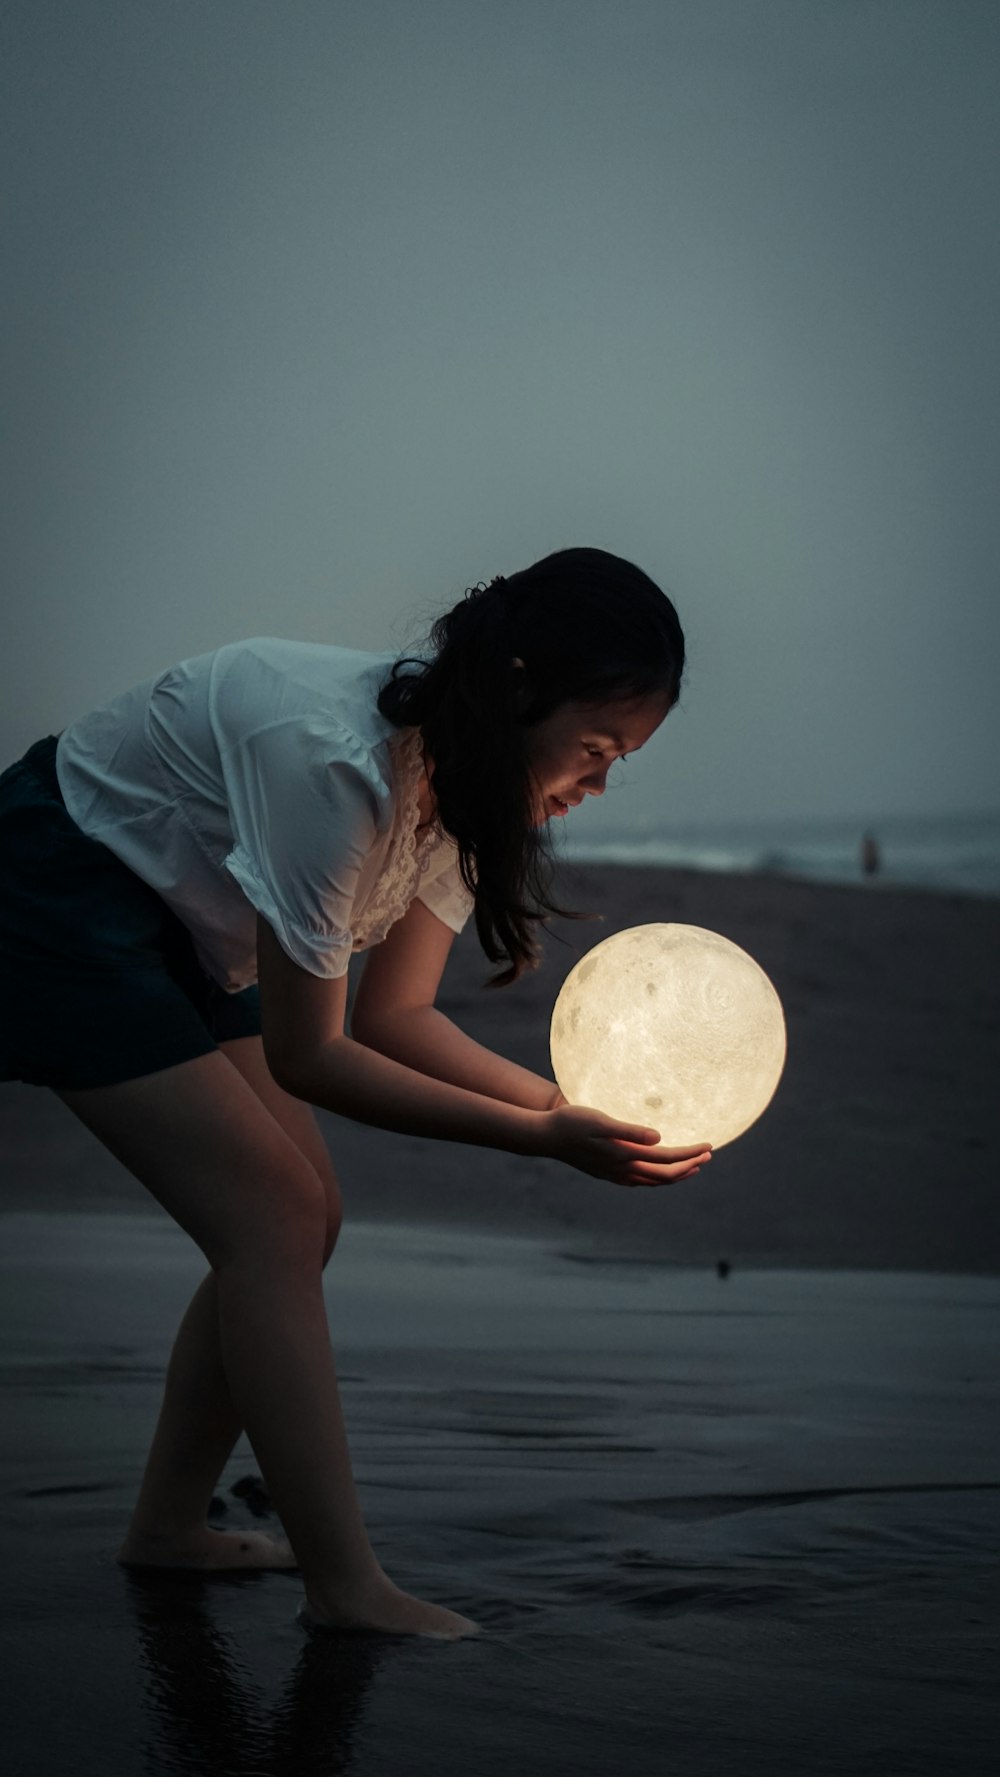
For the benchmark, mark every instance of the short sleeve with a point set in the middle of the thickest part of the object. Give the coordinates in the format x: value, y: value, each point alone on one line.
x: 304, y: 808
x: 442, y: 889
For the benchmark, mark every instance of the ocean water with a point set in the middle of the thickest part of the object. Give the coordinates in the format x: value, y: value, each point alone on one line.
x: 957, y: 853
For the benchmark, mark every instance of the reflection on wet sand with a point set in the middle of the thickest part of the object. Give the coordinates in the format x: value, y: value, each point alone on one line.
x: 744, y: 1526
x: 207, y: 1712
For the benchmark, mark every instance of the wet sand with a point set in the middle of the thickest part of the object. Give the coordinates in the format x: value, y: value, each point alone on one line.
x: 710, y: 1524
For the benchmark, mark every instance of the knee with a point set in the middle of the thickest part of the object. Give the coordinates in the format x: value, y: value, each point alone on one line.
x: 285, y: 1225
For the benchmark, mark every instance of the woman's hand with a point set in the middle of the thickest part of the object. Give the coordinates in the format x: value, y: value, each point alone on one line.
x: 439, y: 1083
x: 623, y: 1153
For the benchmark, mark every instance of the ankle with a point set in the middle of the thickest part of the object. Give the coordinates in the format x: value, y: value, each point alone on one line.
x: 333, y: 1593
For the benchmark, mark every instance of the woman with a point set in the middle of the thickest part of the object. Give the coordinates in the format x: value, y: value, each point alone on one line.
x: 255, y: 815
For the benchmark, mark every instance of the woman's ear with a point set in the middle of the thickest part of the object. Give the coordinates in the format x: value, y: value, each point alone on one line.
x: 522, y: 690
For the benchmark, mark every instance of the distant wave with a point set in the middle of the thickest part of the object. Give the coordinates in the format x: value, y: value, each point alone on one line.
x: 959, y: 853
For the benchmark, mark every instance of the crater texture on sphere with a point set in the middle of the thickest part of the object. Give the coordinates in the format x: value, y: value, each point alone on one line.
x: 671, y: 1026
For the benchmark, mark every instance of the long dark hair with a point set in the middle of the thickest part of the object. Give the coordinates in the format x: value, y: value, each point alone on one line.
x: 589, y: 628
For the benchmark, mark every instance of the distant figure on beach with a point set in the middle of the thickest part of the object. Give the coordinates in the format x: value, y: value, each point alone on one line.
x: 186, y: 872
x: 870, y: 858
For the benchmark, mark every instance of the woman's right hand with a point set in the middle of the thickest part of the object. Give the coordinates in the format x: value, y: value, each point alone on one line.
x: 623, y: 1153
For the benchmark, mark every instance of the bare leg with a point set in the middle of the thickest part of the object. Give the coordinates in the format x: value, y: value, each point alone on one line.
x: 196, y: 1432
x: 199, y: 1424
x: 199, y: 1138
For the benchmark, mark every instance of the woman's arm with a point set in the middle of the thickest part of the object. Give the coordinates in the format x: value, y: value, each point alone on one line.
x: 394, y: 1012
x: 310, y: 1055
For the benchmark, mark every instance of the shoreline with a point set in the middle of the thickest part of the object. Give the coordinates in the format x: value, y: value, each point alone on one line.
x: 586, y: 1251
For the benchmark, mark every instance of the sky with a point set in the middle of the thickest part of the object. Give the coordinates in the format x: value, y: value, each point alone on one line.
x: 318, y: 311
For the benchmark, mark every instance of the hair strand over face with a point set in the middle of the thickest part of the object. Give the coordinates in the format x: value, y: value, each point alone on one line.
x: 580, y: 626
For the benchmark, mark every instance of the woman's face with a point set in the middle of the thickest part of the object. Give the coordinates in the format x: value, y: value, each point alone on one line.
x: 573, y: 749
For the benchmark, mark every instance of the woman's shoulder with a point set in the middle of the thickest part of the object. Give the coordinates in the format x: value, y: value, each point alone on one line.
x: 316, y: 666
x: 329, y: 689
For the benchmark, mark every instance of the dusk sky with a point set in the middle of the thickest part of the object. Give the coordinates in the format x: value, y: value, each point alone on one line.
x: 319, y: 311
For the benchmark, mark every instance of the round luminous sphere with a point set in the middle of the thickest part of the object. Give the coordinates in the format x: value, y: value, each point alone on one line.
x: 673, y: 1027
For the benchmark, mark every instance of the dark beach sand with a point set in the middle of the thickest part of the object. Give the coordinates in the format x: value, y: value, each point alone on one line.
x: 712, y: 1526
x: 880, y: 1150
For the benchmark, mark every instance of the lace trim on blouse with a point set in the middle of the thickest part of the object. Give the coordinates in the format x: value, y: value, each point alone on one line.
x: 409, y: 852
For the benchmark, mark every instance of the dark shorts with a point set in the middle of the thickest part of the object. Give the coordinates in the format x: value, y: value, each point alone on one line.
x: 99, y: 980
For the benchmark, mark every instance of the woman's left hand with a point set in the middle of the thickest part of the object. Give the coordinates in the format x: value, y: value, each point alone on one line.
x: 622, y: 1153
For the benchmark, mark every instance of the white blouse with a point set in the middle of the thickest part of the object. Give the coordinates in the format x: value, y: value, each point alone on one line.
x: 261, y: 778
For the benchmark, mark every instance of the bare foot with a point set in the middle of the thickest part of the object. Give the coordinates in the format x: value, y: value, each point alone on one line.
x: 381, y: 1608
x: 208, y: 1551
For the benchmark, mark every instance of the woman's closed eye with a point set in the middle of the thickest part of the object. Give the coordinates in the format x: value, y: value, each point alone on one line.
x: 617, y: 758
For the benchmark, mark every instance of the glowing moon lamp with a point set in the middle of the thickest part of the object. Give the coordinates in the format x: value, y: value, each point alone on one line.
x: 671, y: 1026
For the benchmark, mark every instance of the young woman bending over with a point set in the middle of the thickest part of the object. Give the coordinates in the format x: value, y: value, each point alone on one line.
x: 188, y: 870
